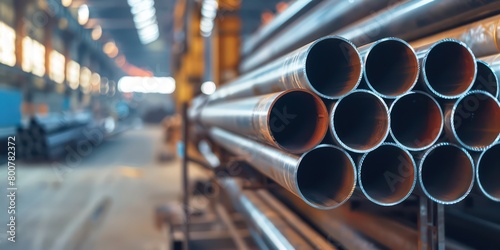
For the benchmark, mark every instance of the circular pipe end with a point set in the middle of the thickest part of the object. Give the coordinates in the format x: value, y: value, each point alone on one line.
x: 449, y: 68
x: 298, y: 120
x: 387, y: 175
x: 417, y: 121
x: 488, y: 173
x: 446, y: 173
x: 325, y: 177
x: 474, y: 120
x: 391, y: 67
x: 486, y: 79
x: 360, y: 121
x: 333, y: 67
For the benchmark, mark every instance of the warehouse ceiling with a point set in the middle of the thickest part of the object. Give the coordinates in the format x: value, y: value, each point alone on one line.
x: 116, y: 20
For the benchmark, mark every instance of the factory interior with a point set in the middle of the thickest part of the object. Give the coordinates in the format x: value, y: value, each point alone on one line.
x: 249, y: 124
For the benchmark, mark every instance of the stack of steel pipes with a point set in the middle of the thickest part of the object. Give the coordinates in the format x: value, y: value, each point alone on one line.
x: 45, y: 137
x: 384, y: 120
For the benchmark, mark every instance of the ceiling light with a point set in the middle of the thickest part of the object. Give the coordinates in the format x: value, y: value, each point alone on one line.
x: 83, y: 14
x: 110, y: 48
x: 145, y: 15
x: 208, y: 88
x: 66, y: 3
x: 96, y: 33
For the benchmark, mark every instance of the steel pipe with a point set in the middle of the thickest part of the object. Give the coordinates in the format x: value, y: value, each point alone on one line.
x: 359, y: 121
x: 411, y: 20
x: 446, y: 173
x: 330, y: 67
x: 268, y: 225
x: 417, y: 121
x: 323, y: 177
x: 488, y: 172
x: 391, y: 67
x: 293, y: 120
x: 448, y: 68
x: 494, y: 63
x: 483, y: 36
x: 486, y: 79
x: 473, y: 121
x: 292, y: 13
x: 325, y: 18
x: 387, y: 175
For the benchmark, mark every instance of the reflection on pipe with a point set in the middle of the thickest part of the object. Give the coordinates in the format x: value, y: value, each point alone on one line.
x: 446, y: 173
x: 416, y: 121
x: 293, y: 120
x: 488, y: 172
x: 391, y: 67
x: 387, y: 175
x: 330, y: 67
x: 359, y: 121
x: 323, y: 177
x: 473, y: 121
x: 448, y: 68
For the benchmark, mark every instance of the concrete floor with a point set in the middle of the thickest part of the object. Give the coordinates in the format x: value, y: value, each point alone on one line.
x: 105, y: 200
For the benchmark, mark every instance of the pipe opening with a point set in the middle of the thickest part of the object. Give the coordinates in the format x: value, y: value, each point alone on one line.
x: 360, y: 121
x: 298, y: 121
x: 391, y: 68
x: 488, y: 173
x: 416, y: 121
x: 387, y: 175
x: 486, y: 79
x: 476, y: 120
x: 326, y: 177
x: 333, y: 67
x: 447, y: 173
x: 450, y: 69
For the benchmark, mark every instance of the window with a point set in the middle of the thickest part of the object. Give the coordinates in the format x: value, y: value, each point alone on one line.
x: 57, y: 62
x: 7, y: 45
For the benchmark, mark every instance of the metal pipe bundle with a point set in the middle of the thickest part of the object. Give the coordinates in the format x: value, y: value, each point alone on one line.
x: 473, y: 121
x: 387, y: 175
x: 487, y: 172
x: 446, y: 173
x: 359, y: 121
x: 323, y: 177
x: 486, y: 79
x: 293, y: 120
x: 329, y: 67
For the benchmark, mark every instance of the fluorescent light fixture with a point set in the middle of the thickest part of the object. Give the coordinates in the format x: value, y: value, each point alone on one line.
x: 145, y: 22
x: 57, y: 62
x: 66, y: 3
x: 7, y: 45
x: 208, y: 87
x: 159, y: 85
x: 83, y: 14
x: 73, y: 74
x: 97, y: 33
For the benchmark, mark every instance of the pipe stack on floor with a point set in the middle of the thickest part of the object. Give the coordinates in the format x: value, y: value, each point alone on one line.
x: 46, y: 137
x: 392, y: 117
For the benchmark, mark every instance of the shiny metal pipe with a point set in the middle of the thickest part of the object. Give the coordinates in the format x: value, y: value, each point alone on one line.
x: 293, y: 120
x: 486, y: 79
x: 387, y: 175
x: 411, y: 20
x: 448, y: 68
x: 270, y: 228
x: 281, y: 21
x: 323, y: 177
x: 488, y: 172
x: 359, y: 121
x: 322, y: 20
x: 417, y: 121
x: 483, y: 36
x: 391, y: 67
x: 494, y: 63
x: 473, y: 121
x: 330, y: 67
x: 446, y: 173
